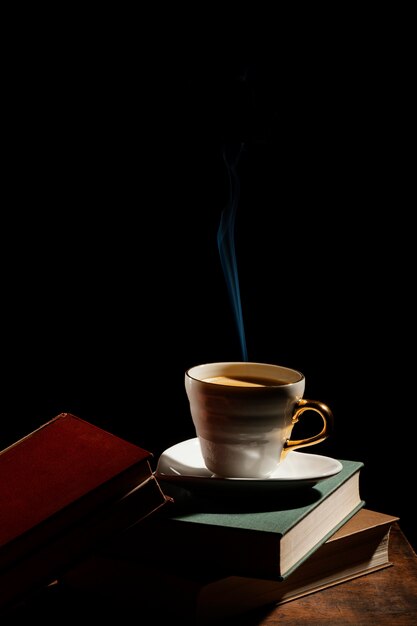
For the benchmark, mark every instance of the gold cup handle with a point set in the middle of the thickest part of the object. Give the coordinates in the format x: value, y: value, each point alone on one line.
x: 325, y: 414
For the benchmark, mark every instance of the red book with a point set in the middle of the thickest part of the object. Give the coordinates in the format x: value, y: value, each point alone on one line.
x: 63, y: 489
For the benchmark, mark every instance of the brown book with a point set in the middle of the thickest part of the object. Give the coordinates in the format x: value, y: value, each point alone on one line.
x: 63, y: 489
x: 196, y: 595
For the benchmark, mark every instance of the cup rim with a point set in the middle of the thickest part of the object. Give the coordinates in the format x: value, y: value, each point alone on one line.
x: 257, y: 364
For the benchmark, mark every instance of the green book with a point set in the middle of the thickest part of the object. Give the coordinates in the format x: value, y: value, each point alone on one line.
x: 266, y: 536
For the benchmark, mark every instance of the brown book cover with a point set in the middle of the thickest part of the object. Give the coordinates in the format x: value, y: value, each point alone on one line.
x: 63, y: 488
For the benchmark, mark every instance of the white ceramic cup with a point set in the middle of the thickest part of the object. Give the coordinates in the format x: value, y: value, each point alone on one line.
x: 244, y: 413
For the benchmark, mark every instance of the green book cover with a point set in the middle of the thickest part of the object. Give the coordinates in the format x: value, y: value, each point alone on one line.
x: 268, y: 535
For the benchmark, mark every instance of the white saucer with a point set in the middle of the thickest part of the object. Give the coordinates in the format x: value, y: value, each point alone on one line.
x: 183, y: 463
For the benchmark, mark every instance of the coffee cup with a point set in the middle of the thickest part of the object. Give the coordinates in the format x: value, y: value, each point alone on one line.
x: 244, y: 413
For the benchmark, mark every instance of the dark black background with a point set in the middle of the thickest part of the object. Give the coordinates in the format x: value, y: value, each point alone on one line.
x: 111, y: 279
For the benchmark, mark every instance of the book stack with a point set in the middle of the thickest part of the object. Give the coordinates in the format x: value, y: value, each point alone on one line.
x: 212, y: 555
x: 204, y: 595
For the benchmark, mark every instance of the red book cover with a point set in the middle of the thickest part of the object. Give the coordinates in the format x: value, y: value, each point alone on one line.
x: 65, y: 476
